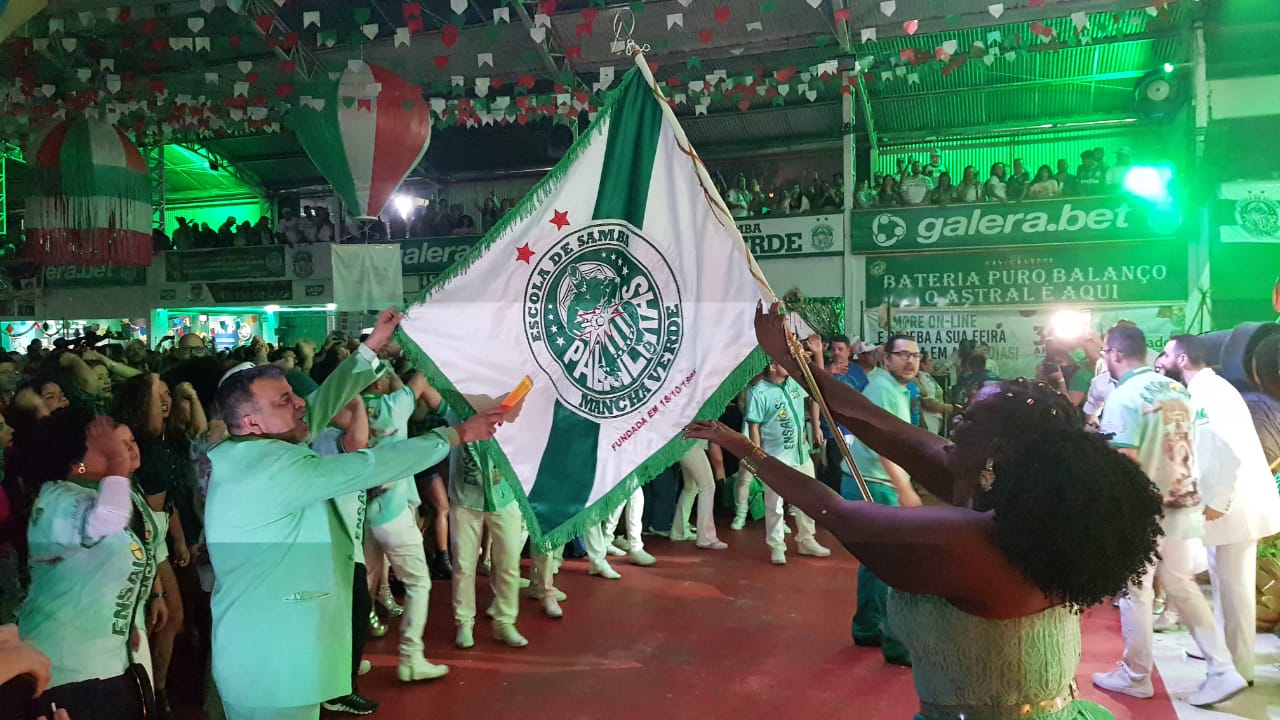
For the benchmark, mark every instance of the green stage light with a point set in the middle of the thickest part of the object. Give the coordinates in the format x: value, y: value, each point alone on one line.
x: 1167, y: 67
x: 1150, y: 182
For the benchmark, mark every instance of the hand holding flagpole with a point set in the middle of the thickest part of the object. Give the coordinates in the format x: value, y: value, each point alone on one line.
x: 623, y: 25
x: 803, y: 359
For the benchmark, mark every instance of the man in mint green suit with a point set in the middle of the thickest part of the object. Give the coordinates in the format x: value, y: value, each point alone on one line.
x: 282, y: 556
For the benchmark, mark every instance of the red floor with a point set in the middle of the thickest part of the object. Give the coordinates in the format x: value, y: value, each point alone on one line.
x: 700, y: 635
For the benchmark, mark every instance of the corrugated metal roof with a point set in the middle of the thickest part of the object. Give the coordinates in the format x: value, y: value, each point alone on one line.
x: 1041, y: 81
x: 765, y: 127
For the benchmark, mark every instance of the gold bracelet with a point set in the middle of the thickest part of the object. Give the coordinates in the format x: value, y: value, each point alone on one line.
x: 750, y: 461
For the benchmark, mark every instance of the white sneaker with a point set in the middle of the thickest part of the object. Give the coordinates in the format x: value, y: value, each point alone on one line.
x: 615, y: 551
x: 466, y: 637
x: 621, y: 543
x: 641, y: 558
x: 714, y: 545
x: 739, y: 520
x: 1218, y: 688
x: 420, y: 669
x: 604, y: 570
x: 811, y: 547
x: 552, y: 608
x: 532, y: 594
x: 1165, y: 622
x: 1120, y: 681
x: 509, y: 635
x: 365, y: 667
x: 778, y: 556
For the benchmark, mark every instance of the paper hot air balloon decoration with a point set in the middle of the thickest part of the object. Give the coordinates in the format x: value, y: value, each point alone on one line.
x: 365, y: 134
x: 92, y: 200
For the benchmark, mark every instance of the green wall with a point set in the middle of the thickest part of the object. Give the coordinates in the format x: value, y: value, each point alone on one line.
x: 214, y: 213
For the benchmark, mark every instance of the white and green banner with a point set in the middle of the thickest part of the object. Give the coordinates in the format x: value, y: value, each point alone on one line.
x: 622, y: 287
x: 785, y: 236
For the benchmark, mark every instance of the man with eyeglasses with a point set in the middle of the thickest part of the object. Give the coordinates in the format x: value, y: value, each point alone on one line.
x: 1150, y: 420
x: 887, y: 387
x: 9, y: 377
x: 189, y: 346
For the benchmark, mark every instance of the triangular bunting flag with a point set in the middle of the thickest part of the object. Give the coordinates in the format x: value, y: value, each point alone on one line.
x: 626, y: 336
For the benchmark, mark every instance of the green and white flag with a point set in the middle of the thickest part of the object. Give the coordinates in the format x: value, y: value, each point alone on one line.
x: 621, y: 286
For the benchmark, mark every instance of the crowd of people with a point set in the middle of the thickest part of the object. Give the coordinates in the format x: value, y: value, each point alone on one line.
x: 928, y: 181
x: 1090, y: 485
x: 182, y: 482
x: 314, y: 224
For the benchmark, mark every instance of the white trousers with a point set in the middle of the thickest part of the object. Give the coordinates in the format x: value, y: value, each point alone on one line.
x: 1175, y: 571
x: 1233, y: 571
x: 506, y: 529
x: 742, y: 491
x: 775, y: 517
x: 400, y: 543
x: 542, y: 578
x: 699, y: 482
x: 597, y: 539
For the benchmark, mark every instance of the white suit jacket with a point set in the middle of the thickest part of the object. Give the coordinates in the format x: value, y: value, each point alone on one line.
x: 1234, y: 475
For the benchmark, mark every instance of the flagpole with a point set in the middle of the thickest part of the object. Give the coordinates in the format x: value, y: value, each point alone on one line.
x: 798, y: 351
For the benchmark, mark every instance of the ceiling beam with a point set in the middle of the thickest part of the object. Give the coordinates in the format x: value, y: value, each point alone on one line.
x: 976, y: 19
x: 1018, y: 85
x: 224, y: 163
x: 308, y: 65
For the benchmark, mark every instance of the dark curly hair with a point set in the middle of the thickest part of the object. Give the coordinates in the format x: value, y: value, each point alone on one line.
x: 1077, y: 518
x: 46, y: 449
x: 131, y: 404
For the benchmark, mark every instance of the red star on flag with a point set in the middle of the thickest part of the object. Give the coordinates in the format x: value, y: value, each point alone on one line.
x: 524, y: 254
x: 560, y: 220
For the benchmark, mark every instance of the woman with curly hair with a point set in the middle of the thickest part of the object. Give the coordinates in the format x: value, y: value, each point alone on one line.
x: 166, y: 478
x: 1046, y: 520
x: 92, y: 567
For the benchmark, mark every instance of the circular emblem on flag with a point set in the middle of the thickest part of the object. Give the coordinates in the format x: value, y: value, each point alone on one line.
x: 1259, y: 216
x: 303, y: 264
x: 603, y: 319
x: 886, y: 229
x: 823, y: 237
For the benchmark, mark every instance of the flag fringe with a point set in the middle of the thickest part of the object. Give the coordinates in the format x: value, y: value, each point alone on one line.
x: 668, y: 455
x: 531, y: 203
x: 598, y: 512
x: 489, y: 450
